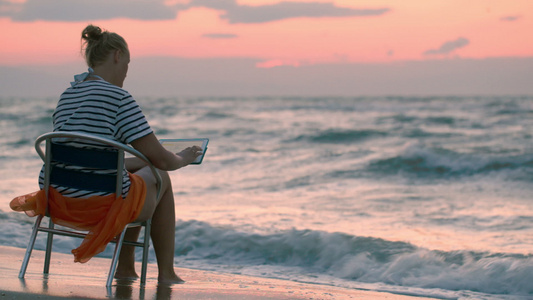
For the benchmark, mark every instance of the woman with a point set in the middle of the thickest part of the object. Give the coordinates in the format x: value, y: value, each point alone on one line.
x: 97, y: 104
x: 108, y: 57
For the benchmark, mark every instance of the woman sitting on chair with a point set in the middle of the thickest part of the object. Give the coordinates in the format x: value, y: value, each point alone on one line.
x: 96, y: 104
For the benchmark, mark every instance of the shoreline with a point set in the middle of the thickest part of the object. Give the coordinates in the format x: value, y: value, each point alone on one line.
x: 87, y: 281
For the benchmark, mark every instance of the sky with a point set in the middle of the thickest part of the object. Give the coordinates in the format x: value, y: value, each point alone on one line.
x: 273, y: 47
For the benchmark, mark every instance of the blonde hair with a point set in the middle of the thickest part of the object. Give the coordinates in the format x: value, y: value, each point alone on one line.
x: 97, y: 44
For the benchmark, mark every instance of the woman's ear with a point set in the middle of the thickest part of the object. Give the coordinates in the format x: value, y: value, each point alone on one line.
x: 117, y: 55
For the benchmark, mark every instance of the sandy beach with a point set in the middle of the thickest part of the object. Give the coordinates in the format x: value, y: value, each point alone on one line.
x: 87, y: 281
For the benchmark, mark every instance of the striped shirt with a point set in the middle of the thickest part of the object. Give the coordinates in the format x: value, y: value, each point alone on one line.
x: 99, y: 108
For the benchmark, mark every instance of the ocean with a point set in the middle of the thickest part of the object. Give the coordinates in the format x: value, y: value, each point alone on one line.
x: 424, y: 196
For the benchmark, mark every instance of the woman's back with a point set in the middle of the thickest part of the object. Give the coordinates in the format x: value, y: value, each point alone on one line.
x: 100, y: 108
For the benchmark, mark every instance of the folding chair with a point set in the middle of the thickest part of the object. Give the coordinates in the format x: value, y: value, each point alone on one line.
x: 55, y: 156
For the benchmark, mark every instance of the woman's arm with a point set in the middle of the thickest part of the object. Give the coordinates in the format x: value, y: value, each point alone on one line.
x: 134, y: 164
x: 159, y: 156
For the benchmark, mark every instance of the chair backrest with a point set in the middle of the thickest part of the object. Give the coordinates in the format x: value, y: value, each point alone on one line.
x: 62, y: 155
x: 57, y: 155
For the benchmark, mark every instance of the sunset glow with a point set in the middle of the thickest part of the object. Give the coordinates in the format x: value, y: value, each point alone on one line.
x: 405, y: 30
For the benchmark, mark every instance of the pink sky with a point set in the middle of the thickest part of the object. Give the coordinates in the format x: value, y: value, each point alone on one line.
x: 405, y: 30
x: 274, y: 47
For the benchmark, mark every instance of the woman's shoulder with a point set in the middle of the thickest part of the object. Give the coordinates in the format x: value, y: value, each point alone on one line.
x: 100, y: 87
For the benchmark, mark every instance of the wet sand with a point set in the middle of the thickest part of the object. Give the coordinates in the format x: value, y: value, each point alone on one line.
x: 87, y: 281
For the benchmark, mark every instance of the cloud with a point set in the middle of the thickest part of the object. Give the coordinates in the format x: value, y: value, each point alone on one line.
x: 448, y: 47
x: 71, y: 11
x: 510, y: 18
x: 220, y: 35
x: 272, y: 63
x: 235, y: 13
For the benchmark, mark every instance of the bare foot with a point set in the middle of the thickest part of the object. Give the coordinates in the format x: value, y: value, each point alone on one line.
x: 169, y: 280
x: 127, y: 275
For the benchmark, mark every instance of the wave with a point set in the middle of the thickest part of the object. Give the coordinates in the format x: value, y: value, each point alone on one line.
x: 210, y: 115
x: 359, y: 259
x: 309, y: 255
x: 438, y: 163
x: 402, y: 119
x: 341, y: 136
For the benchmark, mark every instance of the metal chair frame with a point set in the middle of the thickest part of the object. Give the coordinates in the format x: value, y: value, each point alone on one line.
x: 47, y: 157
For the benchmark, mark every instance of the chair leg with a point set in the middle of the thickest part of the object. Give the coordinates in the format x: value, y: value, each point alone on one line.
x: 48, y: 253
x: 146, y: 247
x: 114, y: 261
x: 33, y: 237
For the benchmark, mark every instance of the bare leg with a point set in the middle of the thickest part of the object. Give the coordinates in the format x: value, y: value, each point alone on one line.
x: 163, y: 238
x: 163, y: 229
x: 126, y: 259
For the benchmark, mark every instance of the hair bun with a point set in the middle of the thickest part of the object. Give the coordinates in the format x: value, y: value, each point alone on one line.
x: 91, y: 33
x: 96, y: 44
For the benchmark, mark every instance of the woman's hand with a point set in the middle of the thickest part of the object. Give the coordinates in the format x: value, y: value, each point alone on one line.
x: 189, y: 154
x: 162, y: 158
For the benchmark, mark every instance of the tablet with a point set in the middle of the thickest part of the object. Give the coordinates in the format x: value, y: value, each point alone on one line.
x: 176, y: 145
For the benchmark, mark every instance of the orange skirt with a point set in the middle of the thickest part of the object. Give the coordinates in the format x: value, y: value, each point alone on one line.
x: 103, y: 216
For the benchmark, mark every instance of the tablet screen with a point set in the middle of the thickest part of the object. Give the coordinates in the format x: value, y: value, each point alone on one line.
x: 176, y: 145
